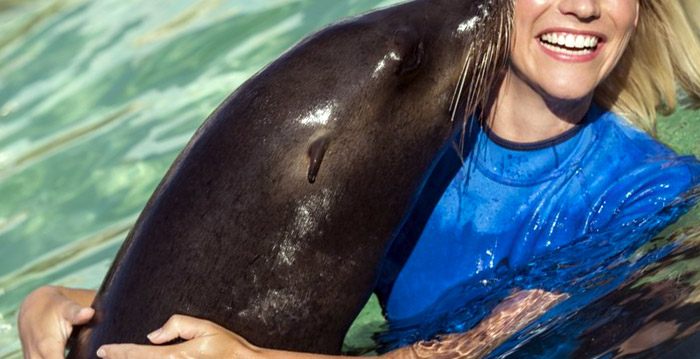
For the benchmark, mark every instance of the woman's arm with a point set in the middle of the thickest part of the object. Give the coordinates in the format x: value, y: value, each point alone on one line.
x: 47, y: 317
x: 207, y: 340
x: 512, y: 315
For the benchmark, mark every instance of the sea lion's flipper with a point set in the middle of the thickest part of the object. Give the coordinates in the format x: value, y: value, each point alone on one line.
x: 316, y: 150
x: 410, y: 45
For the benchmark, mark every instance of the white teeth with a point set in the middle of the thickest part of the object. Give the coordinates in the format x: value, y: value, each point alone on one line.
x: 571, y: 42
x: 567, y: 51
x: 562, y: 40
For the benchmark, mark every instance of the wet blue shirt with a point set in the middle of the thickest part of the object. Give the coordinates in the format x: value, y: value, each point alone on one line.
x: 512, y: 201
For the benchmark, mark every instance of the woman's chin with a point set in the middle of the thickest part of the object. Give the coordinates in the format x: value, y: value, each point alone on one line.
x: 571, y: 94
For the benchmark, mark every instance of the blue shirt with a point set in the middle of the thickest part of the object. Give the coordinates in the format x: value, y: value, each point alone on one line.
x: 510, y: 202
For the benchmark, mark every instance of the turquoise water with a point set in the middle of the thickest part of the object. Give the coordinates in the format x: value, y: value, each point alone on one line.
x: 96, y: 100
x: 97, y: 97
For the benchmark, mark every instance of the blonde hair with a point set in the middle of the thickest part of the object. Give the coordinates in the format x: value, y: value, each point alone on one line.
x: 663, y: 53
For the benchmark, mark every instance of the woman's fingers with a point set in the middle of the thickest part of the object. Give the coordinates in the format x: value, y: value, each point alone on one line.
x: 70, y: 310
x: 205, y: 340
x: 76, y: 314
x: 70, y: 314
x: 134, y: 351
x: 83, y: 316
x: 181, y: 326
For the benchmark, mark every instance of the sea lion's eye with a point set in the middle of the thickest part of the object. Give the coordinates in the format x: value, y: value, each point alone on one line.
x: 410, y: 50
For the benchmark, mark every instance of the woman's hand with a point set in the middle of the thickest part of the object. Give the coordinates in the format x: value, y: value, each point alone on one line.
x: 46, y: 320
x: 205, y: 340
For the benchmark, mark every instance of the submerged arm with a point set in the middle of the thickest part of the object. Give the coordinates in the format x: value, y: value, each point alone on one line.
x: 512, y: 315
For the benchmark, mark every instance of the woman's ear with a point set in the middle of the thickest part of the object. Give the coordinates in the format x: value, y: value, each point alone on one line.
x: 636, y: 15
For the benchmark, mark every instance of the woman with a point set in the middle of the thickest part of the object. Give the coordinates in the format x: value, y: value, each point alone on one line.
x: 550, y: 167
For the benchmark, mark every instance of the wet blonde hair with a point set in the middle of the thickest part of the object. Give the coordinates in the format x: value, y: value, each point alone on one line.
x: 663, y: 53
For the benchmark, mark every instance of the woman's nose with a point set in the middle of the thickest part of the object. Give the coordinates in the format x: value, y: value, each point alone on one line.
x: 584, y: 10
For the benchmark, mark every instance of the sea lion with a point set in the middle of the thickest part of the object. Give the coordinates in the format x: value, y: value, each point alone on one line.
x: 273, y: 220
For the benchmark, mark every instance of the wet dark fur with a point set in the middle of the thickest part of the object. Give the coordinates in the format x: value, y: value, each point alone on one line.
x: 275, y: 229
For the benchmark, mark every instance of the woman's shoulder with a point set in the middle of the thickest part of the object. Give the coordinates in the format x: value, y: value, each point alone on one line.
x: 644, y: 174
x: 630, y: 148
x: 615, y: 131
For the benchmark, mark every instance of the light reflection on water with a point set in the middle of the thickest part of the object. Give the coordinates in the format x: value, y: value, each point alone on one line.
x: 98, y: 97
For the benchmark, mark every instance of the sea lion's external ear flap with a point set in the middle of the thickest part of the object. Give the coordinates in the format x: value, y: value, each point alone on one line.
x: 317, y: 149
x: 410, y: 46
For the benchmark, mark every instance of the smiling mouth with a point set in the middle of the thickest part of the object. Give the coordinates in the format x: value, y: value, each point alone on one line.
x: 569, y: 44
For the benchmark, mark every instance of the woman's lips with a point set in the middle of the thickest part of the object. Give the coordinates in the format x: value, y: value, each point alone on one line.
x: 570, y: 46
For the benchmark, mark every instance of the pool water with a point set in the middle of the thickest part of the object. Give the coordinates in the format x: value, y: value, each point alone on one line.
x: 97, y: 97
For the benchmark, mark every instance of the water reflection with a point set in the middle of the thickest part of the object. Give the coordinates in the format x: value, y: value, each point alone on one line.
x: 625, y: 296
x: 96, y: 100
x: 654, y: 311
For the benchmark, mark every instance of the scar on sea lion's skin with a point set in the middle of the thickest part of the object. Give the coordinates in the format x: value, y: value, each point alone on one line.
x: 513, y: 314
x: 317, y: 149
